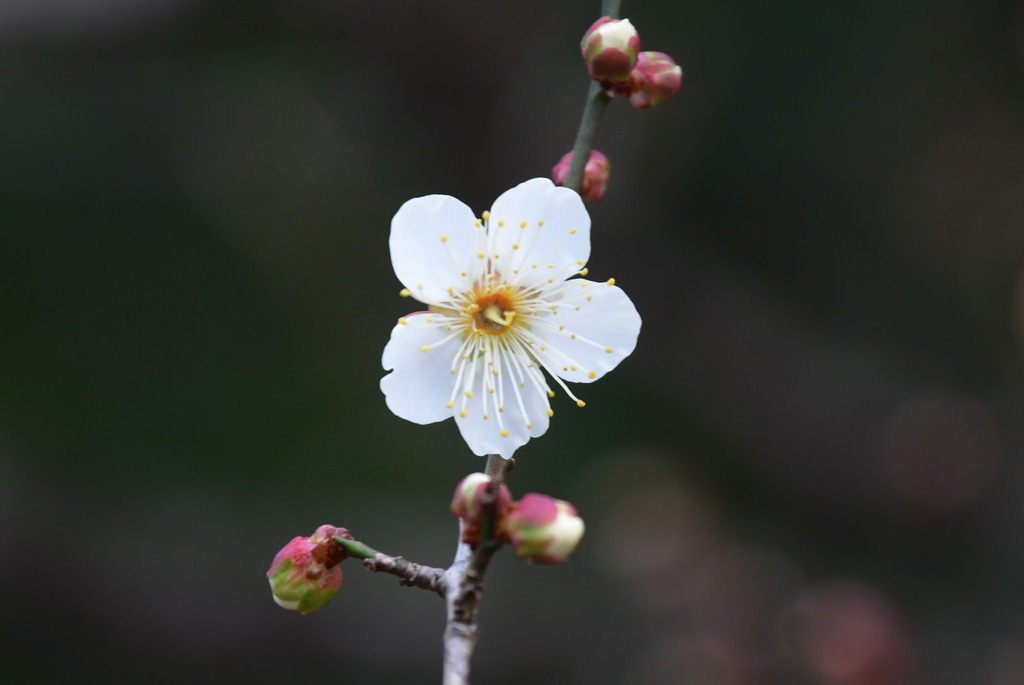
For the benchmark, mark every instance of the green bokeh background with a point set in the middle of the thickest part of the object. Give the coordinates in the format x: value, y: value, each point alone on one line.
x: 824, y: 235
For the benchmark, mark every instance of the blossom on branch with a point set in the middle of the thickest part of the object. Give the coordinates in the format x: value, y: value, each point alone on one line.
x: 656, y: 78
x: 596, y: 173
x: 502, y: 303
x: 470, y: 501
x: 610, y: 48
x: 544, y: 530
x: 305, y: 574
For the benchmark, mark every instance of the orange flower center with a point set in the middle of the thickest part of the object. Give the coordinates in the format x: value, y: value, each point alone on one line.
x: 494, y: 313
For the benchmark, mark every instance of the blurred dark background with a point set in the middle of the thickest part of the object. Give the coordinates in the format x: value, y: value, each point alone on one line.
x: 809, y: 471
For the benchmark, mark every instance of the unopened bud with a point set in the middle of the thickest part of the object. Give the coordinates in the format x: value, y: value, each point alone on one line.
x: 595, y: 175
x: 305, y: 573
x: 610, y: 50
x: 543, y: 529
x: 656, y: 78
x: 473, y: 493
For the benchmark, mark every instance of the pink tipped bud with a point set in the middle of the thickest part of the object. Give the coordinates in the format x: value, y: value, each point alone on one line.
x: 656, y: 78
x: 595, y: 175
x: 305, y: 574
x: 610, y: 50
x: 543, y: 529
x: 473, y: 493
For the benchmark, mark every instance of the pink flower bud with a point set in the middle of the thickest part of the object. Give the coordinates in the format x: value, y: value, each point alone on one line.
x: 543, y: 529
x: 469, y: 500
x: 610, y: 50
x: 305, y: 574
x: 595, y: 175
x: 656, y: 78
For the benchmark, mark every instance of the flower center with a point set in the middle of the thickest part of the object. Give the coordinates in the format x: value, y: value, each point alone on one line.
x: 494, y: 313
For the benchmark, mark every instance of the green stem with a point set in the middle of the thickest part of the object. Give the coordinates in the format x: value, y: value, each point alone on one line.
x: 611, y: 8
x: 597, y: 102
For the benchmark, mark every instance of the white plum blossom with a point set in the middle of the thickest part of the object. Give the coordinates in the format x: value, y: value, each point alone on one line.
x: 501, y: 304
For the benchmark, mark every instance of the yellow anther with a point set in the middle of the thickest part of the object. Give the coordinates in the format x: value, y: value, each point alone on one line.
x: 425, y: 348
x: 497, y: 256
x: 572, y: 232
x: 419, y: 286
x: 404, y: 292
x: 540, y: 222
x: 584, y: 271
x: 588, y: 298
x: 462, y: 413
x: 486, y: 417
x: 469, y: 393
x: 480, y: 255
x: 491, y: 391
x: 403, y: 321
x: 494, y: 371
x: 592, y: 374
x: 504, y: 432
x: 453, y: 371
x: 580, y: 262
x: 515, y: 246
x: 444, y: 239
x: 529, y: 426
x: 580, y: 403
x: 522, y: 224
x: 611, y: 281
x: 501, y: 222
x: 478, y: 223
x: 450, y: 405
x: 551, y: 412
x: 486, y: 215
x: 608, y: 350
x: 551, y: 393
x: 501, y: 410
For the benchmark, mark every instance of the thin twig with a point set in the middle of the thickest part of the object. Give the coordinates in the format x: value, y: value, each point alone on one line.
x: 409, y: 573
x: 465, y: 580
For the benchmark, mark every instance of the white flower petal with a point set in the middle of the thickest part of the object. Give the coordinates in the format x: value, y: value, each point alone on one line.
x: 433, y: 240
x: 539, y: 230
x: 606, y: 321
x: 420, y: 386
x: 484, y: 435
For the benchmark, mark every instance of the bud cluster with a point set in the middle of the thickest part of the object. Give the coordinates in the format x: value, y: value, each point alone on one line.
x: 541, y: 529
x: 611, y: 50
